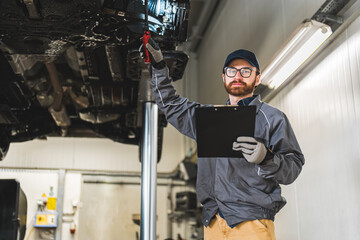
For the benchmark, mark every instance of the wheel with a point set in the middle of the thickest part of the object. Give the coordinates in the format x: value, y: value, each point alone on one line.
x: 4, y: 148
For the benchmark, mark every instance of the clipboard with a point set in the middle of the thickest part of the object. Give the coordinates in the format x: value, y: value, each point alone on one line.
x: 219, y: 126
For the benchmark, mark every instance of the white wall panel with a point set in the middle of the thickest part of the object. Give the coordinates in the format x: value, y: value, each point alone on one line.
x: 266, y: 28
x: 324, y: 111
x: 287, y: 221
x: 72, y: 192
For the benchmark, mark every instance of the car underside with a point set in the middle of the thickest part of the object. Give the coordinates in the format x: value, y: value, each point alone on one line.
x: 74, y: 68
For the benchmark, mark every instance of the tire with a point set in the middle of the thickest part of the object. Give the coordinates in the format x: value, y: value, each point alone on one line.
x: 4, y: 148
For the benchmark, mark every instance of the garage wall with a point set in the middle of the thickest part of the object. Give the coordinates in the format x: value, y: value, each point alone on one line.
x: 258, y: 25
x: 324, y: 109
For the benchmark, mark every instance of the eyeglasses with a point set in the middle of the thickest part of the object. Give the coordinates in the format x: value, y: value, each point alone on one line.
x: 245, y: 72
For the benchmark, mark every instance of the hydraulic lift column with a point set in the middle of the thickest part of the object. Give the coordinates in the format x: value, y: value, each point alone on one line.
x: 149, y: 150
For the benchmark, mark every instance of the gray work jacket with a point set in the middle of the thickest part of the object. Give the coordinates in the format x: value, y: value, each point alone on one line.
x: 239, y: 189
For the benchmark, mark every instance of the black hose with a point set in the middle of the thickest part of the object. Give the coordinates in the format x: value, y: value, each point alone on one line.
x: 146, y: 16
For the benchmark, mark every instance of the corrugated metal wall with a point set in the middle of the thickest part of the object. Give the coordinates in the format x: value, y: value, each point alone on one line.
x: 324, y: 109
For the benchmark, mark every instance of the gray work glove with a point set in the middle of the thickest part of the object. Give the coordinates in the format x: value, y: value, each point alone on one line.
x: 156, y: 56
x: 252, y: 150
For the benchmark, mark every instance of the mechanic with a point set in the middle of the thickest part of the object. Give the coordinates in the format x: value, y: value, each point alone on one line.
x: 240, y: 196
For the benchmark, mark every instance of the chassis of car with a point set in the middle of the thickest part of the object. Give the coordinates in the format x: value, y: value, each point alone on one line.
x: 74, y: 68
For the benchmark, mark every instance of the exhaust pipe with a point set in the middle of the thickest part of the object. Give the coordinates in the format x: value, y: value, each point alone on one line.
x: 57, y: 110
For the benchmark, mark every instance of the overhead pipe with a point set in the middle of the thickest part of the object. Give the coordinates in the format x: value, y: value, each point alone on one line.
x: 173, y: 174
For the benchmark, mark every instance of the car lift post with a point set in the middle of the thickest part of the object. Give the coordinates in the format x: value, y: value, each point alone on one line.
x: 149, y: 157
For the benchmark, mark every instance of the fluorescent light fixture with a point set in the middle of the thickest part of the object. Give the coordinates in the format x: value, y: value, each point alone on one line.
x: 307, y: 38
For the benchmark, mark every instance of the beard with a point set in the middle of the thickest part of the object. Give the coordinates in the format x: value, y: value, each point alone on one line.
x: 244, y: 90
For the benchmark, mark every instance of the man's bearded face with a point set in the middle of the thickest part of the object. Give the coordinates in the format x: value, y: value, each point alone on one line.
x: 237, y: 87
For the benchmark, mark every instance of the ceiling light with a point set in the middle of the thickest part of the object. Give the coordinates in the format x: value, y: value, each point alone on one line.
x: 307, y: 38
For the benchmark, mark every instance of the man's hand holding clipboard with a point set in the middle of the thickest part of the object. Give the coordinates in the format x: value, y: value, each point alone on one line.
x: 252, y: 150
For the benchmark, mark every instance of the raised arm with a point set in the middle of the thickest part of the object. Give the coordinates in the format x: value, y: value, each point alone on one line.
x: 179, y: 111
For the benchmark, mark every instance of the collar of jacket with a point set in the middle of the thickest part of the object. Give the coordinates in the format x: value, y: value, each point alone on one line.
x: 253, y: 100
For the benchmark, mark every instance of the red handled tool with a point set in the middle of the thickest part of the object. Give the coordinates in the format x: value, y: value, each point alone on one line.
x: 146, y: 38
x: 146, y: 35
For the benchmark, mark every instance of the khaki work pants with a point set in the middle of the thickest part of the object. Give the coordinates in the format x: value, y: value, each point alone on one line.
x: 218, y: 229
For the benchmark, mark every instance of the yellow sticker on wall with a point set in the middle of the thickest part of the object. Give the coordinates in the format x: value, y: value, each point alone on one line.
x: 41, y: 219
x: 51, y: 204
x: 45, y: 219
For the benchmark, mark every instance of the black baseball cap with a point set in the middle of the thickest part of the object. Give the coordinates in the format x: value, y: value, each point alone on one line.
x: 243, y: 54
